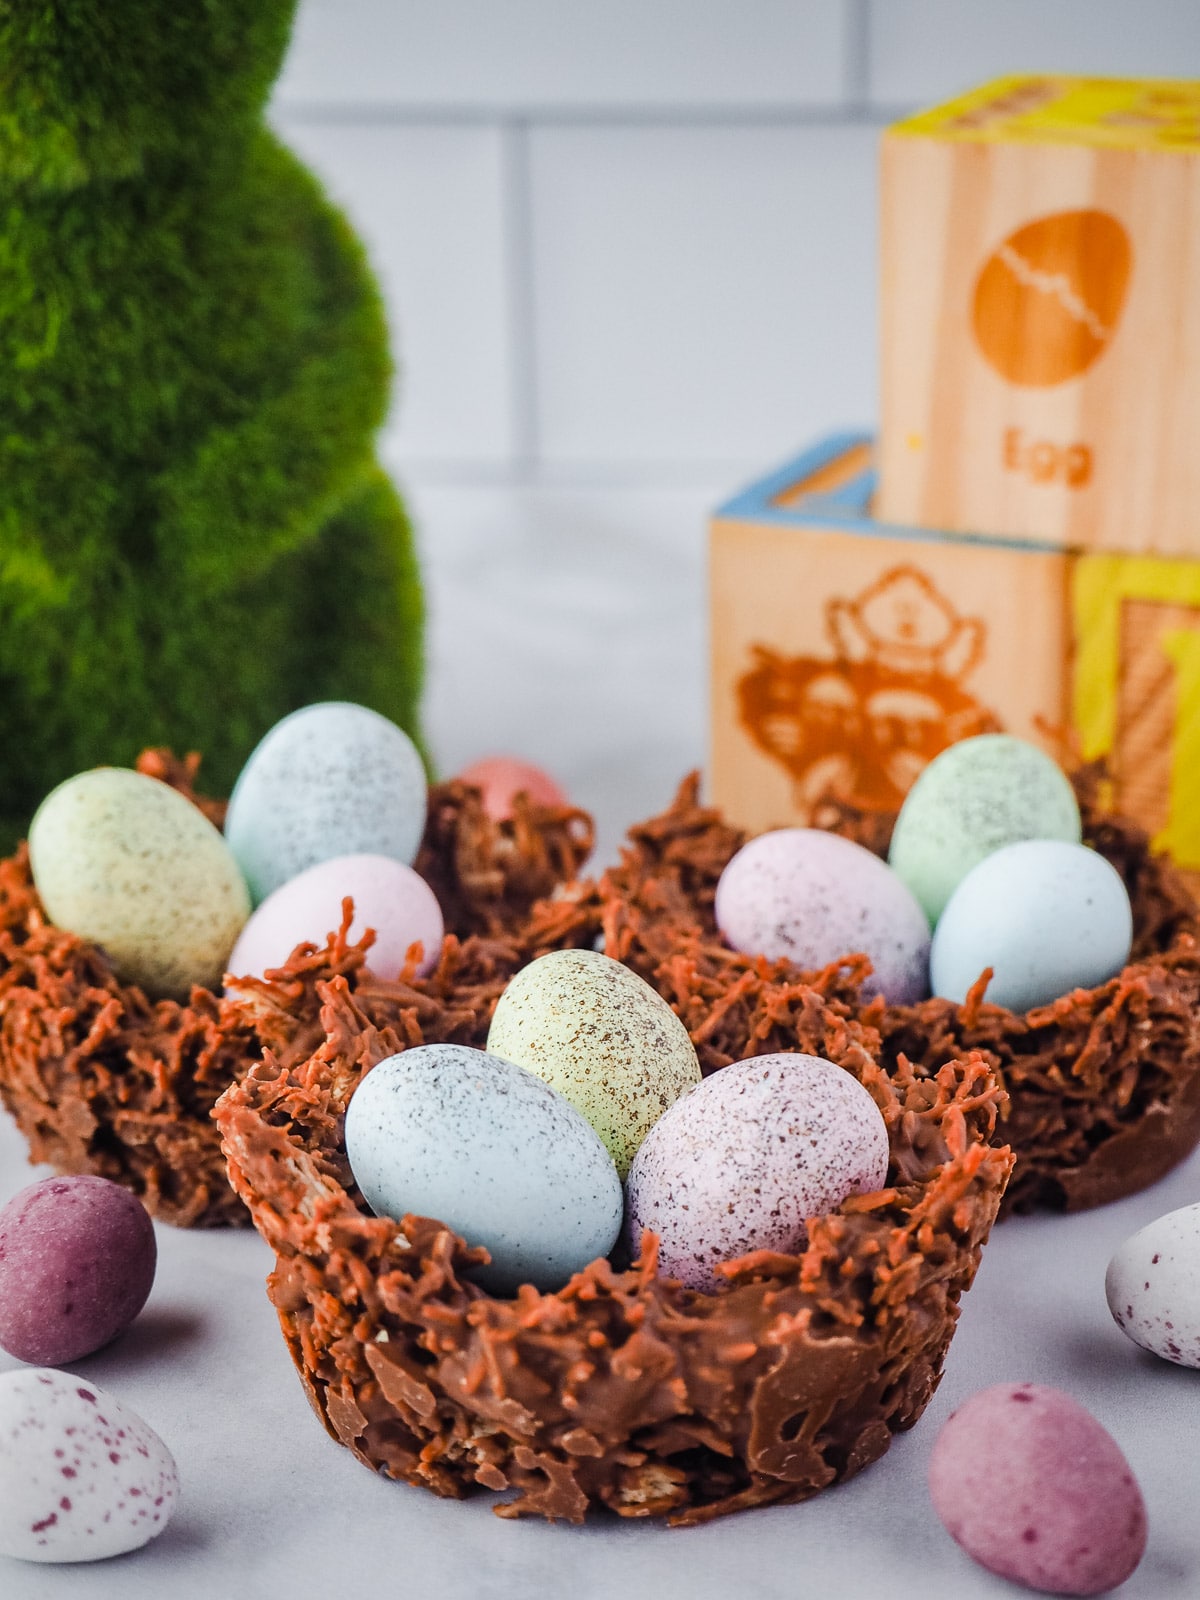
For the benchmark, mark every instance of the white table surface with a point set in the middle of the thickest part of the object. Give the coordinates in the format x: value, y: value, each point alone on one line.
x: 534, y: 596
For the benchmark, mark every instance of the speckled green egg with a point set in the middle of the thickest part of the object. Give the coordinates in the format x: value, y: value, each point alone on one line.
x: 599, y: 1034
x: 128, y: 863
x: 976, y: 797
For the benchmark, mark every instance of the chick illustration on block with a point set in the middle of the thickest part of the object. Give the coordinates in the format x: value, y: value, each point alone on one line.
x: 195, y: 537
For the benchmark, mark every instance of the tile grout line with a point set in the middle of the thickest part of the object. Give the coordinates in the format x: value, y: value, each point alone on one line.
x: 857, y: 72
x: 516, y: 197
x: 853, y: 113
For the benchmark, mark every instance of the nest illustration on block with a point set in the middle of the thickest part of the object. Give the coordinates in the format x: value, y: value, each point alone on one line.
x: 622, y: 1390
x: 1103, y: 1085
x: 101, y: 1079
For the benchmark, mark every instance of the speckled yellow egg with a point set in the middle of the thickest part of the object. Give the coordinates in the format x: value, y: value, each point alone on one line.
x: 602, y: 1037
x: 128, y: 863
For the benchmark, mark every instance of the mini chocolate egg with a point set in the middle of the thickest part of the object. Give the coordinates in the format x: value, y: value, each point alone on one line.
x: 77, y: 1259
x: 82, y: 1477
x: 812, y: 897
x: 332, y: 779
x: 602, y: 1037
x: 743, y: 1160
x: 453, y: 1133
x: 125, y: 861
x: 1153, y: 1287
x: 388, y: 897
x: 1047, y: 917
x: 501, y: 778
x: 976, y: 796
x: 1034, y: 1489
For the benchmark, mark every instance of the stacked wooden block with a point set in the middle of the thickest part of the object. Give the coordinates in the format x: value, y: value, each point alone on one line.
x: 1041, y: 411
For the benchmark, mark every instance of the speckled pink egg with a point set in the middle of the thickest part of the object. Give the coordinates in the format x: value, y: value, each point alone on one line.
x: 388, y: 897
x: 744, y: 1159
x: 77, y: 1260
x: 812, y: 897
x: 501, y: 778
x: 1033, y: 1488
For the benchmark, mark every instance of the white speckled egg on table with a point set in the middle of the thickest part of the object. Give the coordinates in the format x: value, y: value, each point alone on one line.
x: 125, y: 861
x: 332, y: 779
x: 457, y: 1134
x: 388, y: 897
x: 976, y: 796
x: 1153, y: 1287
x: 82, y: 1476
x: 812, y: 897
x: 602, y: 1037
x: 1048, y: 917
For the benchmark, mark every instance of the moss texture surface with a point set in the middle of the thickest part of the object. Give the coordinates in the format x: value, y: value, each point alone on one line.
x: 195, y: 537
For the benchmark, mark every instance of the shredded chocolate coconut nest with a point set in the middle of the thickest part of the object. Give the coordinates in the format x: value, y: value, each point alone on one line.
x: 101, y: 1079
x: 1103, y: 1085
x: 622, y: 1390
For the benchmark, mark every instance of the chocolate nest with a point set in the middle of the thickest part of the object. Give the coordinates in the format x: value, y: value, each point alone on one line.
x: 101, y: 1079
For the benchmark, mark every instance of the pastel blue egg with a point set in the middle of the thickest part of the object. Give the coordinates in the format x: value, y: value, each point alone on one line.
x: 332, y: 779
x: 1046, y: 916
x: 495, y: 1153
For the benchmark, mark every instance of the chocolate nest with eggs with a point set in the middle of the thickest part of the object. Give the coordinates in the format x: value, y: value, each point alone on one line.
x: 101, y: 1079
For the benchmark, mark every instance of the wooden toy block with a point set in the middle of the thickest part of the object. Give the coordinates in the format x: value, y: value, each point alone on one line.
x: 847, y: 652
x: 1041, y: 314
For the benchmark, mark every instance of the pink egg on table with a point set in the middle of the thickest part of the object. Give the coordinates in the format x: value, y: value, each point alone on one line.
x: 388, y: 897
x: 502, y: 778
x: 811, y: 897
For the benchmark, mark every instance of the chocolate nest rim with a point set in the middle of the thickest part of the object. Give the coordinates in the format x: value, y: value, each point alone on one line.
x: 100, y: 1079
x: 623, y: 1390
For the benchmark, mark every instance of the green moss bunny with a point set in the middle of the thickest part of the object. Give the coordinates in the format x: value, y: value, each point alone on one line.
x: 194, y: 535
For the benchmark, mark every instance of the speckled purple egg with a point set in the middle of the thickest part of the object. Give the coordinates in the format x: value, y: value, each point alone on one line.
x: 1033, y: 1488
x: 742, y: 1161
x: 77, y: 1258
x: 812, y: 897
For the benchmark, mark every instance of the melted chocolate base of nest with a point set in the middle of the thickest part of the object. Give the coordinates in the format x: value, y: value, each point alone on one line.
x: 101, y: 1079
x: 1103, y: 1085
x: 623, y: 1390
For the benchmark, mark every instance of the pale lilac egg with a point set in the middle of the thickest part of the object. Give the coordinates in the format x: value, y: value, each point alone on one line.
x: 741, y: 1162
x: 812, y: 897
x: 501, y: 778
x: 388, y: 897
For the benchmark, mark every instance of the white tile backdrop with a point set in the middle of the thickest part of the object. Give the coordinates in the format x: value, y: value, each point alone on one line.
x: 628, y: 249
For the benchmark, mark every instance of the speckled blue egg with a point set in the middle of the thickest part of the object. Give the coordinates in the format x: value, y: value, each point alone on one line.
x: 743, y: 1160
x: 480, y: 1144
x: 332, y: 779
x: 975, y: 797
x: 1047, y: 917
x: 811, y: 897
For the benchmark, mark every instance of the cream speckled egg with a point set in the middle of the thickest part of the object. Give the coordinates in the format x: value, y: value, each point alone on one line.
x: 602, y: 1037
x: 449, y: 1132
x: 1153, y: 1287
x: 975, y: 797
x: 811, y: 897
x: 82, y: 1477
x: 125, y: 861
x: 739, y: 1163
x: 332, y: 779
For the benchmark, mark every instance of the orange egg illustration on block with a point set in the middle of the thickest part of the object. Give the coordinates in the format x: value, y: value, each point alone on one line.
x: 1049, y: 298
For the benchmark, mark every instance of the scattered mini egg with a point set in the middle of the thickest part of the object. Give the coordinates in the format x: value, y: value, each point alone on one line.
x: 388, y: 897
x: 128, y: 863
x: 1034, y: 1489
x: 1153, y: 1287
x: 602, y: 1037
x: 976, y: 796
x: 1047, y: 917
x: 77, y: 1259
x: 501, y: 778
x: 743, y: 1160
x: 82, y: 1477
x: 332, y: 779
x: 460, y: 1135
x: 812, y: 898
